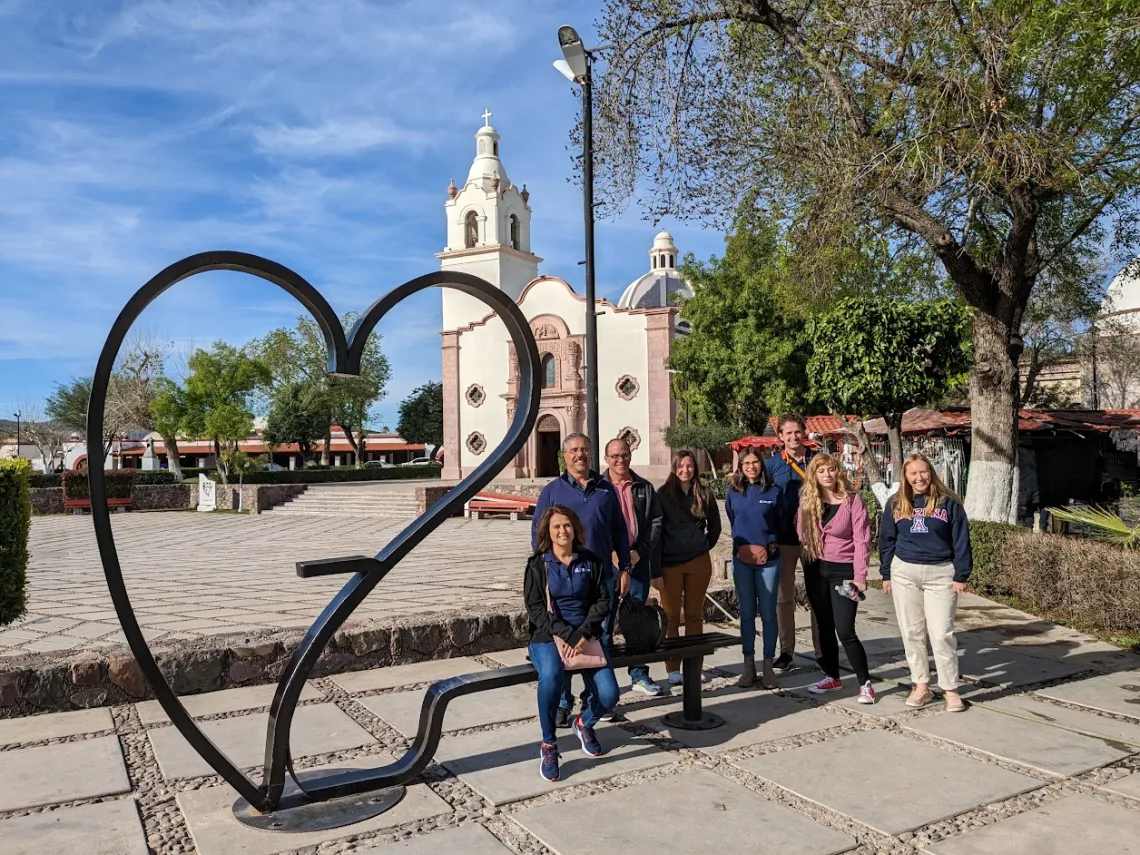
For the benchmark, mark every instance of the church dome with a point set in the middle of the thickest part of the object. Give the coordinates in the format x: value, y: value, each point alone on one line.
x: 1123, y: 295
x: 487, y: 162
x: 662, y: 285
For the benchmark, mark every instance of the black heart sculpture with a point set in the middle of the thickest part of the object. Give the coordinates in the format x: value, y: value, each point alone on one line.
x: 344, y: 358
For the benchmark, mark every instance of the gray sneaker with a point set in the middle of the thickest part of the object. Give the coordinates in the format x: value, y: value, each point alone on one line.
x: 647, y: 687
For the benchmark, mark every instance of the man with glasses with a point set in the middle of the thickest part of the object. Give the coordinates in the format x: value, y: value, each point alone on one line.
x: 592, y: 498
x: 641, y: 510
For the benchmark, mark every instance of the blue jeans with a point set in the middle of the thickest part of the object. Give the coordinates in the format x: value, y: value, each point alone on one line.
x: 601, y: 688
x: 757, y: 589
x: 566, y: 699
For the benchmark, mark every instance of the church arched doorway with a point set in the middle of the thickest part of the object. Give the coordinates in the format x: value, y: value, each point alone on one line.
x: 548, y: 441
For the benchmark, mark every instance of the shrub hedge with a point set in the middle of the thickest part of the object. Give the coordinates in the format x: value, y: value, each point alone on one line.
x: 40, y: 479
x: 987, y: 540
x: 344, y: 473
x: 1089, y: 585
x: 15, y: 526
x: 119, y: 484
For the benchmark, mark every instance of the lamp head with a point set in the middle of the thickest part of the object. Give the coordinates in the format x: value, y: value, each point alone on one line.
x: 574, y: 53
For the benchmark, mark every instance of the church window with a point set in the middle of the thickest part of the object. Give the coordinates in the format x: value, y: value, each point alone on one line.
x: 627, y: 387
x: 470, y: 229
x: 475, y: 395
x: 515, y: 240
x: 495, y: 148
x: 476, y: 443
x: 655, y: 262
x: 672, y: 261
x: 548, y: 369
x: 631, y: 437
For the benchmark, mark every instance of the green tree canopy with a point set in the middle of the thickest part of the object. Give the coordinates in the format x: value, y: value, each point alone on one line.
x: 1002, y: 134
x: 298, y: 356
x: 881, y: 356
x: 298, y: 415
x: 217, y: 397
x: 421, y: 416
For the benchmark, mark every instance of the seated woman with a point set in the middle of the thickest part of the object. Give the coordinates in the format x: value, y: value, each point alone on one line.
x: 566, y: 596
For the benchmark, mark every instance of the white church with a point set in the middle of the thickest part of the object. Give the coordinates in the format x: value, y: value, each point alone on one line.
x: 489, y: 235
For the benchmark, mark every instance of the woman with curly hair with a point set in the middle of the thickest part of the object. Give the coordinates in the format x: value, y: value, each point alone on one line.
x: 924, y: 544
x: 836, y: 537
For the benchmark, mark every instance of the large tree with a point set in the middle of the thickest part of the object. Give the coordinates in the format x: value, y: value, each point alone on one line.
x: 1005, y: 134
x: 298, y: 415
x: 217, y: 398
x: 298, y: 356
x: 745, y: 354
x: 881, y: 356
x: 421, y: 416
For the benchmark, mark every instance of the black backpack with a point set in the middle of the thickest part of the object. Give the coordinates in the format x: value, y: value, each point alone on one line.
x: 643, y: 626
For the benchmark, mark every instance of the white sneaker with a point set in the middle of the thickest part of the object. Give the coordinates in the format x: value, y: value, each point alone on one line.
x: 675, y: 678
x: 866, y: 693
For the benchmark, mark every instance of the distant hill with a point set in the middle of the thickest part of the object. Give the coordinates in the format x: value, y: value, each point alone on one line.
x: 7, y: 426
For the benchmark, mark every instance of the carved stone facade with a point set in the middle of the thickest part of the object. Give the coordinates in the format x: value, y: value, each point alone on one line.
x: 627, y: 387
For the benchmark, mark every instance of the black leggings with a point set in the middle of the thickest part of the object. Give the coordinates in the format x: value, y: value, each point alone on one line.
x: 835, y: 616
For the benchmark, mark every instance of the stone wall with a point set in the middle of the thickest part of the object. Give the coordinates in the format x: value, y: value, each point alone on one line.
x: 161, y: 497
x: 254, y: 498
x: 181, y: 497
x: 58, y: 682
x: 529, y: 491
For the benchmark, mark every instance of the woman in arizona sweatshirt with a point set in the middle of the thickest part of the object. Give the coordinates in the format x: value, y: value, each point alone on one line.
x: 924, y: 545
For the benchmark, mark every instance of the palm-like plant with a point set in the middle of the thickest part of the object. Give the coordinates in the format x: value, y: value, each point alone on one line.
x: 1102, y: 524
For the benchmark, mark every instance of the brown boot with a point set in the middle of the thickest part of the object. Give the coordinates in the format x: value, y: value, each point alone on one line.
x: 747, y: 673
x: 768, y: 681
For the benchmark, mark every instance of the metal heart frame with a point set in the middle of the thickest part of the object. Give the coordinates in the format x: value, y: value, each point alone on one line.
x: 344, y: 359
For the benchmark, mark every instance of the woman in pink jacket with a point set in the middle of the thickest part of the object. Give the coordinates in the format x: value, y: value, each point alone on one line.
x: 836, y: 538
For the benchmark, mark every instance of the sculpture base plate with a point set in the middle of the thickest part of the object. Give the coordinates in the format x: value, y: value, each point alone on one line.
x: 707, y: 721
x: 298, y: 813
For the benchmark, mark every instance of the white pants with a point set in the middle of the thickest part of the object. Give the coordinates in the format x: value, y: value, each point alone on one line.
x: 925, y: 604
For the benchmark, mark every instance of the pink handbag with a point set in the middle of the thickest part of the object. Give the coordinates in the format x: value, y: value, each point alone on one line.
x: 592, y: 657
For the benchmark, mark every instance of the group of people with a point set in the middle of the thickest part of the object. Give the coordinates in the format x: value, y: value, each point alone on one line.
x: 600, y: 537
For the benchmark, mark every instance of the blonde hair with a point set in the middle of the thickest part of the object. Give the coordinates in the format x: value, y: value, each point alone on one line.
x: 811, y: 502
x: 903, y: 502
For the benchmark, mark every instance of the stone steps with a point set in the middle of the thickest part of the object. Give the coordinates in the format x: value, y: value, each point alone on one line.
x: 350, y: 502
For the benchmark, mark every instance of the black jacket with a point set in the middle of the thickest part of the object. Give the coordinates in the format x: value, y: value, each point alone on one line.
x: 650, y: 519
x: 543, y: 625
x: 684, y: 536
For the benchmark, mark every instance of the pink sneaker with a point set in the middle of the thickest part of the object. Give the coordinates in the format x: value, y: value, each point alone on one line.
x: 866, y: 693
x: 827, y: 684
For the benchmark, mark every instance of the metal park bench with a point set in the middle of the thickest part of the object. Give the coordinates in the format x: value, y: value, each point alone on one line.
x: 78, y: 506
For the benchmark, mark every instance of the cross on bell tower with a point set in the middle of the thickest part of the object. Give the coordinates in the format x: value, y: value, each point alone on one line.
x: 487, y: 114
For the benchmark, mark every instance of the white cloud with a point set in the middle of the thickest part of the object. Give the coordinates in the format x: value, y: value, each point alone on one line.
x: 335, y: 137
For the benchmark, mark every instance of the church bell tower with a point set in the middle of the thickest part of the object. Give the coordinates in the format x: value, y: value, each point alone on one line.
x: 488, y: 231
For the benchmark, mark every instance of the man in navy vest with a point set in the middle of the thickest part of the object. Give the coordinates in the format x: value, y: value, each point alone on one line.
x: 592, y: 498
x: 787, y: 469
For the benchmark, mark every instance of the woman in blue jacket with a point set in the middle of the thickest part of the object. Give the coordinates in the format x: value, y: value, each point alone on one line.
x: 756, y: 510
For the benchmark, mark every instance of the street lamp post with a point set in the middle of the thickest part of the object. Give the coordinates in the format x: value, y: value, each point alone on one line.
x: 575, y: 67
x: 17, y: 414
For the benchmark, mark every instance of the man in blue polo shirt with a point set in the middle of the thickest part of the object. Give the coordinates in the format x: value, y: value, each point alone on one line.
x: 787, y: 469
x: 591, y: 497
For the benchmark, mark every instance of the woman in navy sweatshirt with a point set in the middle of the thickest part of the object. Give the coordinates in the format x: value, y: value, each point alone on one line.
x: 924, y: 544
x: 567, y: 595
x: 757, y: 513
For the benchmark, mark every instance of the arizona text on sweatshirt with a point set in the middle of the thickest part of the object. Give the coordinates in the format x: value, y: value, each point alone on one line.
x: 933, y: 537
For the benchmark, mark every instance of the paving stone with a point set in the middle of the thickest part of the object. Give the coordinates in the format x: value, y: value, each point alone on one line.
x: 711, y: 813
x: 1078, y: 823
x: 750, y: 717
x: 1126, y: 786
x: 107, y: 828
x: 402, y: 709
x: 317, y: 729
x: 1031, y: 743
x: 1007, y: 667
x: 32, y: 776
x: 33, y: 728
x: 502, y: 765
x: 1115, y: 693
x: 919, y: 785
x: 468, y: 839
x: 209, y: 816
x: 510, y: 658
x: 1032, y: 708
x: 395, y: 676
x: 225, y: 701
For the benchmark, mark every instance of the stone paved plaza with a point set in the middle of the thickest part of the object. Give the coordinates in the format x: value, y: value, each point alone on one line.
x: 1045, y: 760
x: 191, y: 575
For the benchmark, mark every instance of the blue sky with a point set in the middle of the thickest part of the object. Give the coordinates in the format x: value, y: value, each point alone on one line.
x: 319, y: 134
